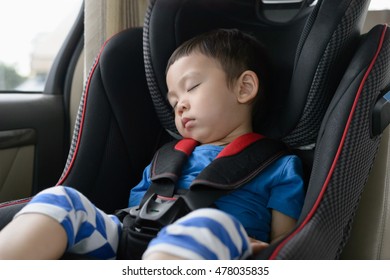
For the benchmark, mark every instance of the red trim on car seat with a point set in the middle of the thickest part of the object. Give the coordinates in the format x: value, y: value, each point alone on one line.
x: 14, y: 202
x: 239, y: 144
x: 326, y: 183
x: 186, y: 145
x: 62, y: 179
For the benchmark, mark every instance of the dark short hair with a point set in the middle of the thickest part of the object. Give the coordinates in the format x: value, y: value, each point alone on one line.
x: 236, y: 52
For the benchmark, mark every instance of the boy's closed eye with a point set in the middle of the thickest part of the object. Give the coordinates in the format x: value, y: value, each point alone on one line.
x: 193, y: 87
x: 173, y: 101
x: 174, y: 107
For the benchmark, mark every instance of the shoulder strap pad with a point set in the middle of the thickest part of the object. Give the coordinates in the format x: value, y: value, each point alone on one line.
x: 235, y: 165
x: 230, y: 171
x: 169, y: 159
x: 167, y: 165
x: 239, y: 162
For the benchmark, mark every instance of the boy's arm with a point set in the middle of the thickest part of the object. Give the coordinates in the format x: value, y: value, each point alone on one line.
x: 281, y: 224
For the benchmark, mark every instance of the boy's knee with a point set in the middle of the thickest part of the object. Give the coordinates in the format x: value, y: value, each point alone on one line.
x: 204, y: 233
x: 210, y: 213
x: 61, y: 190
x: 56, y: 190
x: 62, y: 196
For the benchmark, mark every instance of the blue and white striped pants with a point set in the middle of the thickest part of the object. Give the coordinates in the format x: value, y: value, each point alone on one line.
x: 202, y: 234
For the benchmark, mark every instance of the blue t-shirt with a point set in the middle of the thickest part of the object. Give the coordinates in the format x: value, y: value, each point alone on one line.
x: 279, y: 186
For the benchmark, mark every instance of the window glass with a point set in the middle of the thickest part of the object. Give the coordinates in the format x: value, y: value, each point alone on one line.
x: 31, y: 33
x: 379, y: 5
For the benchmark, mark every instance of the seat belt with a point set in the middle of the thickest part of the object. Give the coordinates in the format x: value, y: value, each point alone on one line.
x: 238, y: 163
x: 235, y: 165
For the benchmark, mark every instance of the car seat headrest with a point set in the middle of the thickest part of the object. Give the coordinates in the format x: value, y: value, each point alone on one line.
x: 325, y: 49
x: 171, y: 22
x: 304, y: 54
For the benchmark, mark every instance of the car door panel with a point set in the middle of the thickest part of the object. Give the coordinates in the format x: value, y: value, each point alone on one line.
x: 34, y: 126
x: 17, y: 149
x: 31, y: 136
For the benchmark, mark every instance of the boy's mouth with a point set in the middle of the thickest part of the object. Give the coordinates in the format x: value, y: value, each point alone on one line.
x: 186, y: 122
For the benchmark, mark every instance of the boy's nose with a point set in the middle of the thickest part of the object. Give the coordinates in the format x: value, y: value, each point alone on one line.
x: 183, y: 106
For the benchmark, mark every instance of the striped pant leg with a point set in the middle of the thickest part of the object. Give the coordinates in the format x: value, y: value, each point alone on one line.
x: 203, y: 234
x: 89, y: 230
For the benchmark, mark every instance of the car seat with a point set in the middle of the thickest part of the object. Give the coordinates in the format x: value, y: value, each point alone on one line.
x: 117, y: 130
x: 323, y: 54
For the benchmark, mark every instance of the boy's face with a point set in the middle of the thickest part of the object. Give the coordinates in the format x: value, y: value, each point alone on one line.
x: 205, y: 108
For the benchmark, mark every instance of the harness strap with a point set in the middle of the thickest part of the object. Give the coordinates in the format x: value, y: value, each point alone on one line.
x: 166, y: 167
x: 236, y: 164
x: 233, y: 172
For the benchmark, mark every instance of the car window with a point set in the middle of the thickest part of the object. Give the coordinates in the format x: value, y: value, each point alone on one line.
x: 379, y: 5
x: 31, y: 33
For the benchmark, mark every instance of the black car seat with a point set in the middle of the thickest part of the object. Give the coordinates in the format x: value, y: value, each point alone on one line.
x: 328, y: 42
x: 118, y: 131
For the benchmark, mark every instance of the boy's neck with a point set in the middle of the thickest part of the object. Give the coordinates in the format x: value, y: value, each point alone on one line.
x: 229, y: 138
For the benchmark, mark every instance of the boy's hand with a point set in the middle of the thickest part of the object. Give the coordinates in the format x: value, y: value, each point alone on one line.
x: 257, y: 245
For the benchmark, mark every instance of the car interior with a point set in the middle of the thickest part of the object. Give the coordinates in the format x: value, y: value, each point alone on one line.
x: 330, y: 81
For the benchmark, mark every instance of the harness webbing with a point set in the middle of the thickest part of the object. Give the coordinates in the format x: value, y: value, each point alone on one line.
x: 162, y: 204
x: 235, y: 165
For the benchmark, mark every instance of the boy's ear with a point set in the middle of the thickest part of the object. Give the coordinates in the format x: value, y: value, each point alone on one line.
x: 248, y: 86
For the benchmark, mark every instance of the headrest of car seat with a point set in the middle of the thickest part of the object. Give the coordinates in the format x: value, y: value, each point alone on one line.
x: 328, y: 42
x: 171, y: 22
x: 307, y: 59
